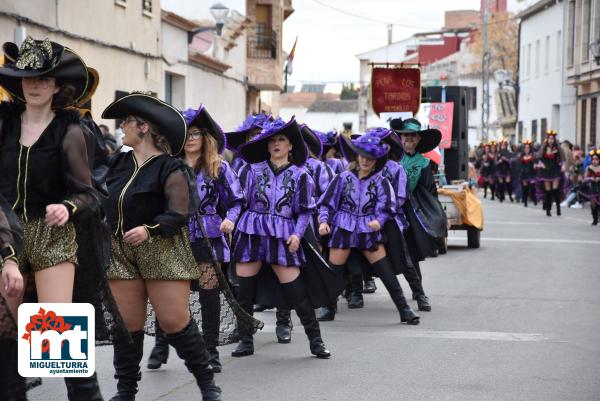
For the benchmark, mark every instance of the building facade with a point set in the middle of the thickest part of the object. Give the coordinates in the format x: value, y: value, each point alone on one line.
x: 546, y: 101
x: 582, y: 32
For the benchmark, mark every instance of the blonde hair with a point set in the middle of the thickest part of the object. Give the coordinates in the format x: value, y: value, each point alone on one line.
x: 210, y: 159
x: 159, y: 140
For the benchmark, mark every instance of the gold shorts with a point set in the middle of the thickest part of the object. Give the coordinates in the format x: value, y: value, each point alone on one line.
x: 45, y: 246
x: 159, y: 259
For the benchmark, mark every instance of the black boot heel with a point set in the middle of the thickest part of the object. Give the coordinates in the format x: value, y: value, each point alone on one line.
x: 160, y: 352
x: 283, y: 328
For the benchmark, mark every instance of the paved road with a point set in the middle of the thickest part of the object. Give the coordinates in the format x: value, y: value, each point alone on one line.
x: 517, y: 319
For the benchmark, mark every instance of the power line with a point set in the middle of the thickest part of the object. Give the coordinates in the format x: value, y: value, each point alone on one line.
x: 340, y: 10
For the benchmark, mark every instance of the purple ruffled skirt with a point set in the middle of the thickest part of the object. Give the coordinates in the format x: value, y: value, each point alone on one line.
x: 267, y: 249
x: 344, y: 239
x: 219, y: 247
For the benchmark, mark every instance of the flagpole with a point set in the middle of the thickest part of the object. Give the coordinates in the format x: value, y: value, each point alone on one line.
x: 286, y: 77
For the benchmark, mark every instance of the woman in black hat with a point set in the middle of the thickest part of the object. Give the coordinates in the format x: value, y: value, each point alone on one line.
x: 244, y: 133
x: 426, y: 217
x: 46, y: 177
x: 151, y: 255
x: 279, y: 195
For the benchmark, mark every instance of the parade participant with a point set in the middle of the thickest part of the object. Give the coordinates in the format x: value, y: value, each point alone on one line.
x: 551, y: 159
x: 426, y: 217
x: 592, y: 181
x: 244, y: 133
x: 331, y: 149
x: 354, y: 210
x: 279, y: 195
x: 488, y: 170
x: 528, y: 173
x: 219, y: 191
x: 47, y: 179
x: 503, y: 171
x: 151, y: 255
x: 319, y: 171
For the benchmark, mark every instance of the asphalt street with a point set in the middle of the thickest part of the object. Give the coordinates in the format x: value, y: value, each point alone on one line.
x: 517, y: 319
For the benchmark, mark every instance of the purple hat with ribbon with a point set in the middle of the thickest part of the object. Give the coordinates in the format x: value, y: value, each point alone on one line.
x: 238, y: 137
x: 201, y: 119
x: 256, y: 150
x: 368, y: 146
x: 391, y: 138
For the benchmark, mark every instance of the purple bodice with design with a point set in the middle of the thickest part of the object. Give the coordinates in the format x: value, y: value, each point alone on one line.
x: 396, y: 175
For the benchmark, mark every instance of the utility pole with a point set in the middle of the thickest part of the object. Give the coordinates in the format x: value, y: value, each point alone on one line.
x: 485, y: 106
x: 390, y: 29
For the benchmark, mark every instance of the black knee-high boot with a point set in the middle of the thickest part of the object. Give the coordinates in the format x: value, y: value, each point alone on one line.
x: 416, y: 286
x: 525, y: 194
x: 160, y: 352
x: 356, y: 300
x: 485, y: 188
x: 246, y: 292
x: 493, y: 191
x: 210, y: 303
x: 190, y: 347
x: 126, y: 360
x: 509, y: 190
x: 548, y: 202
x: 327, y: 313
x: 83, y: 388
x: 594, y: 215
x: 12, y: 384
x: 557, y: 198
x: 283, y: 325
x: 383, y: 267
x: 295, y: 294
x: 500, y: 187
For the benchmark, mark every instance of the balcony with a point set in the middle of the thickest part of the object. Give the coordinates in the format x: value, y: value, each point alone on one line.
x: 263, y: 46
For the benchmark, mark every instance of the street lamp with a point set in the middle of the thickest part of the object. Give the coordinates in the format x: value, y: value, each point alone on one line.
x: 595, y: 48
x: 219, y: 13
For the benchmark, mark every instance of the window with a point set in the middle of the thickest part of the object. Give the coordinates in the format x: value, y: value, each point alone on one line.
x: 534, y: 130
x: 122, y: 3
x: 537, y: 58
x: 543, y: 126
x: 585, y: 31
x: 559, y: 48
x: 571, y: 34
x: 528, y: 61
x: 147, y: 7
x: 593, y: 114
x: 583, y: 122
x: 263, y: 26
x: 547, y: 55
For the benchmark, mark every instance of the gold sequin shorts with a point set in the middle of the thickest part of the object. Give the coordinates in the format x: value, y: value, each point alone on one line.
x: 159, y: 259
x: 45, y: 246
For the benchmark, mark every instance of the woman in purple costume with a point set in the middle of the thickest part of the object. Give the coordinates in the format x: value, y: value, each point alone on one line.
x: 354, y: 209
x: 551, y: 160
x: 244, y: 133
x: 331, y: 151
x: 218, y: 191
x: 280, y: 205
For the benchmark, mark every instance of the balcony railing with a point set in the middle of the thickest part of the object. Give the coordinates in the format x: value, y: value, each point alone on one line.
x: 263, y: 46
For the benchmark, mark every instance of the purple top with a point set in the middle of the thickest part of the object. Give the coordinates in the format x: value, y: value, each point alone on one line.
x: 351, y: 203
x: 321, y: 174
x: 238, y: 163
x: 226, y: 192
x: 280, y: 203
x: 396, y: 175
x: 336, y: 165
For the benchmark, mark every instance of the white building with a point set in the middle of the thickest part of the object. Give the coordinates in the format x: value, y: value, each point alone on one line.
x: 545, y: 100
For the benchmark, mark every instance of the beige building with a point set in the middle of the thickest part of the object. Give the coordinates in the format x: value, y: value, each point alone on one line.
x: 265, y: 61
x: 582, y: 69
x: 96, y: 31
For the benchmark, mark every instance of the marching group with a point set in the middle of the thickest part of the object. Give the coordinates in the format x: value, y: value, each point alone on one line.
x: 551, y: 172
x: 295, y: 219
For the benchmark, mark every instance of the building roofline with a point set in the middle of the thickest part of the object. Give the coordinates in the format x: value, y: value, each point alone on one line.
x: 178, y: 21
x: 536, y: 8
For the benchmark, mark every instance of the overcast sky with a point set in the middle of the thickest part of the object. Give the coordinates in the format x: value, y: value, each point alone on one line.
x: 328, y: 40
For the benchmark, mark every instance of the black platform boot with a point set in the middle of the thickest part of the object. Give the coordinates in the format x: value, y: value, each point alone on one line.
x: 525, y: 194
x: 356, y: 293
x: 295, y: 294
x: 500, y: 187
x: 509, y: 190
x: 556, y: 200
x: 595, y: 216
x: 190, y: 347
x: 160, y: 352
x: 327, y: 313
x: 548, y: 202
x: 485, y: 188
x: 210, y: 303
x: 246, y: 291
x: 283, y: 328
x: 126, y: 360
x: 369, y: 285
x: 383, y: 267
x: 411, y: 276
x: 493, y: 191
x: 83, y: 388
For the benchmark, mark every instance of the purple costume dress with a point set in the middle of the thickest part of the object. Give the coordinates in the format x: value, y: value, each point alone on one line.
x: 238, y: 163
x: 336, y: 165
x: 396, y: 175
x: 223, y: 195
x: 280, y: 203
x: 321, y: 174
x: 350, y: 203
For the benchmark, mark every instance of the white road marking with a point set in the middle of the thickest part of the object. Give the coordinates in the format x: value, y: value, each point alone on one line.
x: 529, y: 240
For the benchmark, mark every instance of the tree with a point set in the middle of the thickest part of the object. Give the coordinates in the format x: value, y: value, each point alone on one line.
x: 503, y: 32
x: 348, y: 92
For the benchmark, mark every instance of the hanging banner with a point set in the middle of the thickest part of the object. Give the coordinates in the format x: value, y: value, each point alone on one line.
x: 438, y: 116
x: 396, y: 90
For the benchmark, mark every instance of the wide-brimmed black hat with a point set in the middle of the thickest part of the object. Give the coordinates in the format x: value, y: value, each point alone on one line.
x: 38, y: 58
x: 257, y: 149
x: 202, y: 119
x: 93, y: 81
x: 312, y: 140
x: 237, y: 138
x: 166, y: 118
x: 369, y: 146
x: 430, y: 138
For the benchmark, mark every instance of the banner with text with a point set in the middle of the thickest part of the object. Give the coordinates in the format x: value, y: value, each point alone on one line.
x: 395, y: 90
x: 438, y: 116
